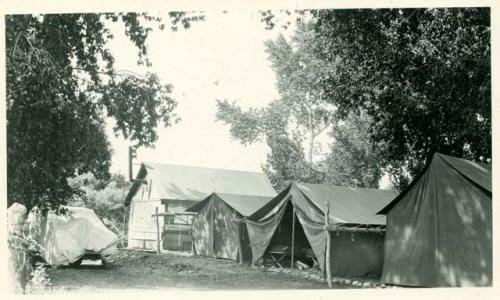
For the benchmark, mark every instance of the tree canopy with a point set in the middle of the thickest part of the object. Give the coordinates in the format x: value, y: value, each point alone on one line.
x: 286, y: 160
x: 353, y: 159
x: 104, y: 197
x: 291, y: 124
x: 423, y: 75
x: 298, y: 72
x: 61, y: 84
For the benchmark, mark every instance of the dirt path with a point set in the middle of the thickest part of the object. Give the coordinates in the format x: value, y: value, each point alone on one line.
x: 142, y: 270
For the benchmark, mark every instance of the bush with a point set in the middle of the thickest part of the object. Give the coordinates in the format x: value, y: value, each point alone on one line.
x: 105, y: 198
x: 39, y: 282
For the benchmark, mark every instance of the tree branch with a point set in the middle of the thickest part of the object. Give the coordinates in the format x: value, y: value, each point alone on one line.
x: 322, y: 129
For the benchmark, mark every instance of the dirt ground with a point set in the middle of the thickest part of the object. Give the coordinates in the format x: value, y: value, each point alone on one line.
x: 144, y: 270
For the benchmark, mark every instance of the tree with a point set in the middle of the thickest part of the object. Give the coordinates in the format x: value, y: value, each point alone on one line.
x: 299, y: 111
x: 423, y: 75
x: 301, y: 103
x: 286, y: 160
x: 302, y: 110
x: 353, y: 160
x: 298, y: 71
x: 61, y: 83
x: 104, y: 197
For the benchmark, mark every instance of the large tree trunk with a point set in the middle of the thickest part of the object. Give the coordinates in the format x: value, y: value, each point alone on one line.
x: 17, y: 256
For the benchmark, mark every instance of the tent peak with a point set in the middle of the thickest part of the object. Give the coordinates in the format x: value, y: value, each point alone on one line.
x: 472, y: 171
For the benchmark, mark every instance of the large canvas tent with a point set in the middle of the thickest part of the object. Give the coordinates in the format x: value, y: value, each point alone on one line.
x: 174, y: 188
x: 217, y: 230
x: 69, y: 237
x: 356, y: 232
x: 439, y: 229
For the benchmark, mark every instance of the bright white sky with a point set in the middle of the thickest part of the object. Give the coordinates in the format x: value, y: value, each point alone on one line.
x: 220, y: 58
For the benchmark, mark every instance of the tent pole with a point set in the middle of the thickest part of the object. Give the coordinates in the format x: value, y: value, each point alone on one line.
x: 240, y: 237
x: 241, y: 242
x: 293, y: 237
x: 328, y: 245
x: 157, y: 231
x: 213, y: 208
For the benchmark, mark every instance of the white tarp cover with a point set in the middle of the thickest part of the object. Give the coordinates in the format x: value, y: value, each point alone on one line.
x: 70, y: 237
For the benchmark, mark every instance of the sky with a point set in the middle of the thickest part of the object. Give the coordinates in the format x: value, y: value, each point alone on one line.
x: 221, y: 58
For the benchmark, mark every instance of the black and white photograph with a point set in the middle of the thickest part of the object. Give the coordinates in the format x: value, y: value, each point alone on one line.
x: 248, y: 148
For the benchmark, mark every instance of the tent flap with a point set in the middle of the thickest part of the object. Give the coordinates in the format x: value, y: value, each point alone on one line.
x: 347, y: 206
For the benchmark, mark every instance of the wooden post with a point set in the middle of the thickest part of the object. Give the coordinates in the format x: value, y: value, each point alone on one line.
x: 240, y: 224
x: 293, y: 238
x: 125, y: 225
x: 157, y: 231
x: 192, y: 239
x: 328, y: 245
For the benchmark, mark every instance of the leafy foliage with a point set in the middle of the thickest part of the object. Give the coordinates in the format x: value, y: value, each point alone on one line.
x: 39, y: 282
x: 246, y: 127
x: 353, y: 159
x: 286, y: 162
x: 105, y: 198
x: 298, y: 71
x: 423, y: 75
x: 284, y: 17
x: 130, y: 95
x: 61, y: 83
x: 301, y: 111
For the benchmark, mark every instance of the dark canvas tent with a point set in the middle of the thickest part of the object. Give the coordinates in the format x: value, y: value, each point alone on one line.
x: 356, y: 231
x: 439, y: 228
x: 217, y: 231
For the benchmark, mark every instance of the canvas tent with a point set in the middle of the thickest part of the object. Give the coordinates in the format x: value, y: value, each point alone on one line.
x: 439, y: 229
x: 218, y: 231
x: 355, y: 230
x: 173, y: 189
x: 68, y: 238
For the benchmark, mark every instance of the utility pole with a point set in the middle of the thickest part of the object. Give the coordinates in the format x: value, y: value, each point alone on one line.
x: 131, y: 156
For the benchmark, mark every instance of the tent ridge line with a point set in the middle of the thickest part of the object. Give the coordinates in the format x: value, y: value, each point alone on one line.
x: 465, y: 176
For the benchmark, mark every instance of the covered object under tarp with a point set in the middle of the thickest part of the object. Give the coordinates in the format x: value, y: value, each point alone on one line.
x: 356, y: 231
x: 69, y: 237
x: 439, y: 228
x: 217, y: 229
